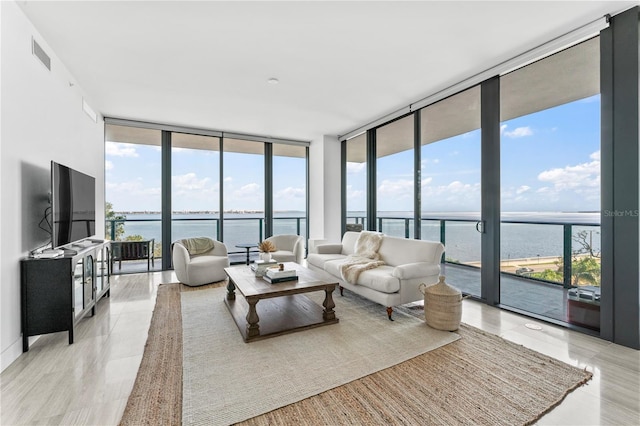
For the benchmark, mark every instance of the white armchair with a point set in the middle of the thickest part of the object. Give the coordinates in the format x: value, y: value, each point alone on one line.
x: 199, y: 261
x: 289, y: 248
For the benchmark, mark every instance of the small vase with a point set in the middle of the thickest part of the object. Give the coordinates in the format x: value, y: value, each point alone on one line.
x: 265, y: 256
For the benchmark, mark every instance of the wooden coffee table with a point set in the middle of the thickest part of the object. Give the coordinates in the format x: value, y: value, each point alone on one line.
x: 282, y: 308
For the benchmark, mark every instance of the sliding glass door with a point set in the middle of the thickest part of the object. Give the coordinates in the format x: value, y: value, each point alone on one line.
x: 133, y: 175
x: 195, y: 186
x: 550, y: 179
x: 356, y: 185
x: 244, y: 192
x: 451, y: 178
x: 395, y: 181
x: 289, y: 190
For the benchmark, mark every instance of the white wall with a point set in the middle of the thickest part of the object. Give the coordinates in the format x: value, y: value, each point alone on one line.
x: 41, y: 120
x: 324, y: 189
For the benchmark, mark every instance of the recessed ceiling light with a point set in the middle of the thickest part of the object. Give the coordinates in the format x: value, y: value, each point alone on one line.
x: 273, y: 80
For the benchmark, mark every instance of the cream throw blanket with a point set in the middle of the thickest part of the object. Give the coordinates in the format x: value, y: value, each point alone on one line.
x: 197, y: 245
x: 365, y: 256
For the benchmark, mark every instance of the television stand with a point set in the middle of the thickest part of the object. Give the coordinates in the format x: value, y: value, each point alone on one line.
x: 56, y: 293
x: 83, y: 243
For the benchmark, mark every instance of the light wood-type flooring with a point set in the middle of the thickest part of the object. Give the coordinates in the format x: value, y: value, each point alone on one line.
x: 88, y: 382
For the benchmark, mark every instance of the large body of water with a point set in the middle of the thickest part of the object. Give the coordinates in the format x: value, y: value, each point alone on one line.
x: 462, y: 241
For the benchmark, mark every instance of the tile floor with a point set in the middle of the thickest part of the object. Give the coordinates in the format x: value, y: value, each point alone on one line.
x: 88, y: 383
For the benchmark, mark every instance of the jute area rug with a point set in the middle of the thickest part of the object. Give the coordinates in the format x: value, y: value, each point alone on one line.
x: 226, y: 381
x: 478, y: 379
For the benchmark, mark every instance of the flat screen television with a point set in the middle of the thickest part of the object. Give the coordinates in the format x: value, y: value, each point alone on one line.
x: 73, y: 205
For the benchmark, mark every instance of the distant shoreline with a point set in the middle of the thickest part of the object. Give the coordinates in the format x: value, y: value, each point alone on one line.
x: 208, y: 212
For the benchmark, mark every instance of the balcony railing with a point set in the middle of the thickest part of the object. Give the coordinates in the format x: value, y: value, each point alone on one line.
x: 433, y: 227
x: 403, y: 227
x: 239, y: 230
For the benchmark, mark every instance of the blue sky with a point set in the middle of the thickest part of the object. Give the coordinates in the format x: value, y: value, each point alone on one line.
x: 133, y: 180
x: 550, y: 161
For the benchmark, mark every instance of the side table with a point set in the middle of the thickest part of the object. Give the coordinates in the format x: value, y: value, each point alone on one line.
x: 248, y: 247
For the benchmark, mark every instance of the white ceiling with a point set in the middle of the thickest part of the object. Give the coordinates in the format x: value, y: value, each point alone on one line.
x: 341, y: 64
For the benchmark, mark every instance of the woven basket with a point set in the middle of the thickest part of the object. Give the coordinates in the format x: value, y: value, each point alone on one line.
x: 442, y: 305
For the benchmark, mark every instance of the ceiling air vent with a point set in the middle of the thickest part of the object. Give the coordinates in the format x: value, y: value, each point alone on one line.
x: 40, y: 54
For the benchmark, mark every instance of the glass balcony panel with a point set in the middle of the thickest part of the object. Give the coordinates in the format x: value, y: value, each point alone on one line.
x: 462, y: 243
x: 586, y: 273
x: 430, y: 230
x: 396, y: 227
x: 132, y: 190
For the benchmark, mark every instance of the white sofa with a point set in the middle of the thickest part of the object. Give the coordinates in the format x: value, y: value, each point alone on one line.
x: 408, y: 263
x: 289, y: 248
x: 197, y: 268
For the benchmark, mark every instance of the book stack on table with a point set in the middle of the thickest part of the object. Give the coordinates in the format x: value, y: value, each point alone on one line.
x: 261, y: 266
x: 274, y: 275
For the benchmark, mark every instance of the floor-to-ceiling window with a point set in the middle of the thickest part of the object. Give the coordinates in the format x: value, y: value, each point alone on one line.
x: 243, y: 170
x: 195, y: 186
x: 451, y: 178
x: 395, y: 181
x: 559, y: 145
x: 132, y: 189
x: 190, y: 178
x: 289, y: 189
x: 550, y: 186
x: 356, y: 180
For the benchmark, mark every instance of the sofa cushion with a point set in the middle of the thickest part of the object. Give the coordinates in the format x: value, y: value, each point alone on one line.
x: 416, y: 270
x: 396, y: 251
x: 349, y: 242
x: 379, y: 279
x: 318, y: 260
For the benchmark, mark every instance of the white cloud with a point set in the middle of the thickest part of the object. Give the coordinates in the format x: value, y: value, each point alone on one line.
x: 353, y: 168
x: 452, y: 196
x: 132, y: 188
x: 425, y: 161
x: 108, y: 165
x: 572, y: 187
x: 290, y: 193
x: 117, y: 149
x: 250, y: 190
x: 396, y: 189
x: 518, y: 132
x: 189, y: 182
x: 578, y: 177
x: 228, y: 179
x: 354, y: 193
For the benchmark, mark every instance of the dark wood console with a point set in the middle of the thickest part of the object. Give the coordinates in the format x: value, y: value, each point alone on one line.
x: 56, y: 293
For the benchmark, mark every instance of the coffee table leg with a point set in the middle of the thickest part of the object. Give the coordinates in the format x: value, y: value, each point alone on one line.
x: 231, y: 290
x: 328, y: 304
x: 253, y: 329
